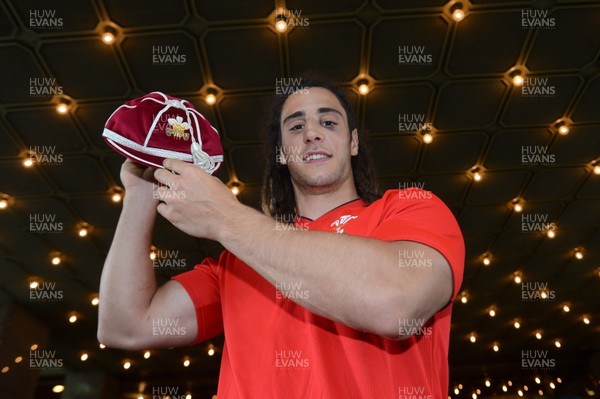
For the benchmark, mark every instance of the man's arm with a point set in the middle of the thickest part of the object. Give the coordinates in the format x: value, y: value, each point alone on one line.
x: 354, y: 280
x: 131, y: 304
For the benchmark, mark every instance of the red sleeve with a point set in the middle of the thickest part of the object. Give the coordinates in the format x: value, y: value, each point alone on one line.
x: 418, y: 215
x: 202, y: 285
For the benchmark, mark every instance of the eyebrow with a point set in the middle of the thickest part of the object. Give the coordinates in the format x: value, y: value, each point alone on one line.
x: 322, y: 110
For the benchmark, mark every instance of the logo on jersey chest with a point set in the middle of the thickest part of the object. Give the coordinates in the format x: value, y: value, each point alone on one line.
x: 338, y: 225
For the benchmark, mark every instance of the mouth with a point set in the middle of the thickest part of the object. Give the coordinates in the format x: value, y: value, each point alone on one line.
x: 315, y: 156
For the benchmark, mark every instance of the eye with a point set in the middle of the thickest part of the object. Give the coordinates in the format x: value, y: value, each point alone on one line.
x: 297, y: 126
x: 329, y: 123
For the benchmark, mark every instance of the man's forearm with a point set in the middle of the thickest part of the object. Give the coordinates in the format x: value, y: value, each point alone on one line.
x: 128, y: 281
x: 348, y: 279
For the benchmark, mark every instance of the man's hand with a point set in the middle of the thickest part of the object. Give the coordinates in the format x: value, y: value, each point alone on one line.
x: 194, y: 201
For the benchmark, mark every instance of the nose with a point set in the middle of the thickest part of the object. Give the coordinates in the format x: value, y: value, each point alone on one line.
x: 312, y: 132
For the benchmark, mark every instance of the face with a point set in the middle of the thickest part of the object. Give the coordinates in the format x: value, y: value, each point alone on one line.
x: 316, y: 143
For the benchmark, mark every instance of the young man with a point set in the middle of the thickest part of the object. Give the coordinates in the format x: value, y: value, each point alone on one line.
x: 354, y: 302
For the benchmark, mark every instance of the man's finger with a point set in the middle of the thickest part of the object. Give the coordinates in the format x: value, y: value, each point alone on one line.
x: 165, y: 177
x: 175, y: 165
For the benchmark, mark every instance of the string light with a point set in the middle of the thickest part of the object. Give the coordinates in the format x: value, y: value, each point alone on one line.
x: 537, y: 380
x: 72, y: 317
x: 496, y: 347
x: 538, y: 334
x: 33, y: 283
x: 578, y: 252
x: 95, y: 299
x: 487, y: 382
x: 492, y: 312
x: 427, y: 138
x: 486, y: 260
x: 557, y: 343
x: 559, y: 380
x: 518, y: 278
x: 472, y: 338
x: 566, y: 308
x: 586, y: 319
x: 211, y: 350
x: 126, y: 364
x: 281, y: 24
x: 517, y: 324
x: 457, y: 12
x: 186, y: 361
x: 101, y: 345
x: 551, y: 231
x: 552, y: 385
x: 108, y: 37
x: 210, y: 99
x: 56, y: 258
x: 363, y: 87
x: 561, y: 127
x: 18, y: 359
x: 510, y: 383
x: 58, y: 388
x: 147, y: 355
x: 33, y: 347
x: 504, y: 388
x: 517, y: 205
x: 153, y: 255
x: 477, y: 173
x: 83, y: 229
x: 235, y: 188
x: 464, y: 298
x: 116, y: 194
x: 517, y: 78
x: 62, y: 107
x: 520, y: 393
x: 5, y: 369
x: 456, y: 391
x: 84, y: 357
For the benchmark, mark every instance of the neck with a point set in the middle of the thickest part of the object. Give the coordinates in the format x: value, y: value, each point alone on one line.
x: 312, y: 203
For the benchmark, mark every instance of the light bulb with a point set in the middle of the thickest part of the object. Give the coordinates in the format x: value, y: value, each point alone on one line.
x: 3, y: 204
x: 537, y: 380
x: 458, y: 15
x: 83, y: 230
x: 211, y: 352
x: 95, y: 300
x: 147, y: 355
x: 538, y: 335
x: 517, y: 80
x: 186, y: 362
x: 496, y: 347
x: 518, y: 279
x: 488, y: 383
x: 557, y: 343
x: 504, y: 388
x: 34, y: 284
x: 56, y: 260
x: 281, y: 26
x: 597, y: 169
x: 58, y: 388
x: 566, y: 308
x: 72, y: 318
x: 579, y: 254
x: 456, y: 391
x: 473, y: 338
x: 116, y: 197
x: 463, y: 298
x: 28, y: 162
x: 108, y: 38
x: 551, y: 233
x: 518, y: 207
x: 84, y: 357
x: 210, y: 99
x: 235, y: 189
x: 477, y: 176
x: 102, y: 346
x: 427, y: 138
x: 563, y: 130
x: 492, y: 312
x: 586, y: 319
x: 552, y: 385
x: 486, y: 260
x: 126, y: 365
x: 363, y: 89
x: 62, y: 108
x: 517, y: 324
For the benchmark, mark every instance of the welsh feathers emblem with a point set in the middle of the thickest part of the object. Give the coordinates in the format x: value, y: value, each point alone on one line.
x: 178, y: 128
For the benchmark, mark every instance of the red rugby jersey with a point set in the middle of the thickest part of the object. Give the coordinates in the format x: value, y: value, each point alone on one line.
x: 275, y: 348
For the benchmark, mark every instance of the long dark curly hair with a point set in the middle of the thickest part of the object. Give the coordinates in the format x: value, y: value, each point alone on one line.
x: 278, y: 200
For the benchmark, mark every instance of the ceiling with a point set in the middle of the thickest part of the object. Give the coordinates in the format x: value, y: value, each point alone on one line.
x: 461, y: 86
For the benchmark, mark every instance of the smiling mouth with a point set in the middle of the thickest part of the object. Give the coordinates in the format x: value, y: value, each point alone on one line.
x: 313, y: 157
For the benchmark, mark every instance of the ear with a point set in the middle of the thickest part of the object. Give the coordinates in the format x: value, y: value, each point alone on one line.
x: 281, y: 156
x: 354, y: 143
